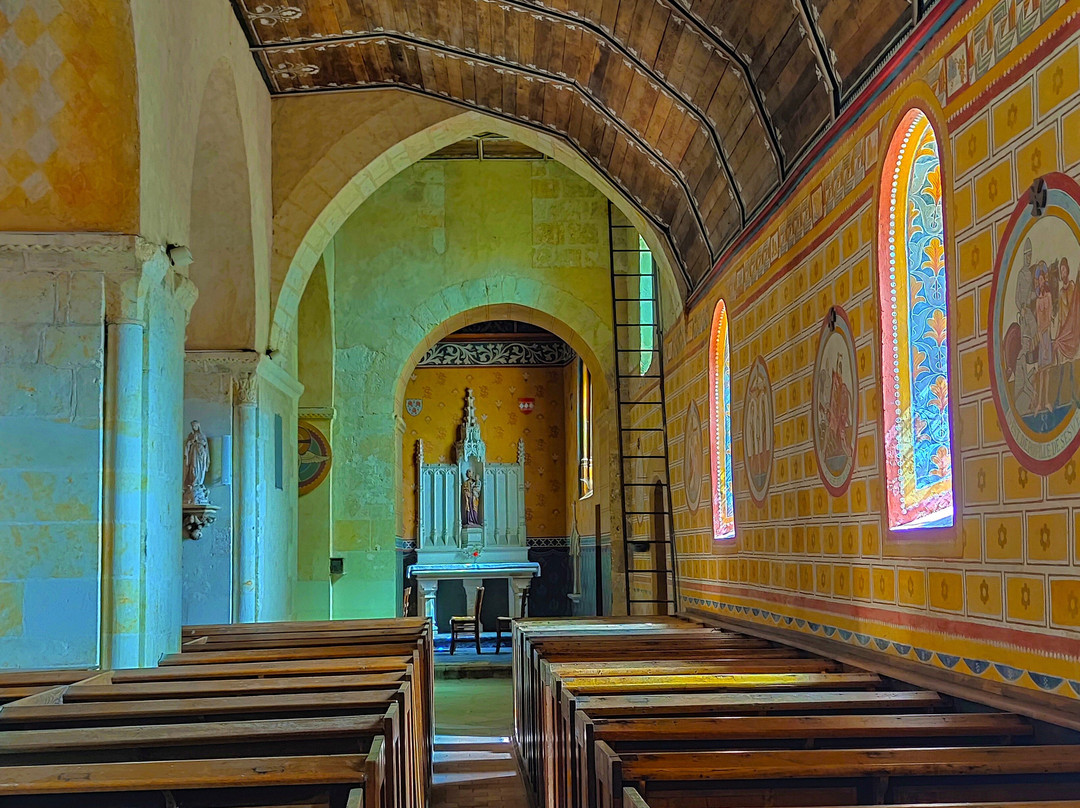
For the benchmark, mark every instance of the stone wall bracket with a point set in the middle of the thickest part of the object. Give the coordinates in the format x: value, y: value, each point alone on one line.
x: 196, y: 518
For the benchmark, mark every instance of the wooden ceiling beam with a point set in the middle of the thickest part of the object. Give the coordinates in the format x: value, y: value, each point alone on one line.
x: 541, y: 75
x: 817, y: 40
x: 722, y: 153
x: 705, y: 31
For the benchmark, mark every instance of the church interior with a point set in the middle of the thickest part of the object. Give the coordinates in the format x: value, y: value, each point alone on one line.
x: 685, y: 394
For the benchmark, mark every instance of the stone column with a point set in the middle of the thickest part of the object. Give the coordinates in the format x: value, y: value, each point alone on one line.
x: 124, y: 520
x: 246, y: 502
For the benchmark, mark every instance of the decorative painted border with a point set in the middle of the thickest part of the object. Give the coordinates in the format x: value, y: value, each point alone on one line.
x: 960, y: 664
x: 830, y: 325
x: 482, y: 354
x: 1063, y: 193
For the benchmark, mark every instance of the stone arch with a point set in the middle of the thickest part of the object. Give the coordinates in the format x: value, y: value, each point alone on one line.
x: 336, y: 185
x: 220, y: 231
x: 507, y: 311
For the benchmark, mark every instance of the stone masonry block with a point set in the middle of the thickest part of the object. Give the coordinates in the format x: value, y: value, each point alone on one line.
x: 11, y: 609
x: 36, y: 390
x: 20, y: 343
x: 74, y: 345
x: 28, y: 298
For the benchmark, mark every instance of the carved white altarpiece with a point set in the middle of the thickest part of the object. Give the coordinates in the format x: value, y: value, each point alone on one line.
x: 471, y: 518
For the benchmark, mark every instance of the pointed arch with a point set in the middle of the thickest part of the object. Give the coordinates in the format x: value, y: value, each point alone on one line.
x: 720, y: 426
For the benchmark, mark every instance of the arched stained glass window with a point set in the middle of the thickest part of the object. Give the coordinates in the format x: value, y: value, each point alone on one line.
x: 720, y: 427
x: 913, y: 291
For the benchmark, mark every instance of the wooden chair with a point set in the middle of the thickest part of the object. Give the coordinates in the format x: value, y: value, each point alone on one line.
x: 465, y: 624
x: 507, y: 623
x: 405, y: 601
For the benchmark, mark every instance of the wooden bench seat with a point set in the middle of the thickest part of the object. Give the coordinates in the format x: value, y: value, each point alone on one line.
x: 844, y: 776
x: 133, y: 691
x: 278, y: 780
x: 359, y: 650
x: 297, y: 667
x: 685, y: 733
x: 632, y: 799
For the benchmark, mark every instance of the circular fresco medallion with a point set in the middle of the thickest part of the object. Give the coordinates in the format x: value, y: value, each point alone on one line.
x: 693, y: 457
x: 315, y: 457
x: 1034, y: 332
x: 758, y: 432
x: 835, y: 402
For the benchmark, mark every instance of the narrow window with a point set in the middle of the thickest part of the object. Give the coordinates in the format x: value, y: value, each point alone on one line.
x: 585, y: 444
x: 913, y: 288
x: 720, y: 427
x: 647, y: 307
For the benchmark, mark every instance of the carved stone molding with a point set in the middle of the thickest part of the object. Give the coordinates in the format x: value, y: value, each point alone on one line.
x: 317, y: 413
x: 233, y: 363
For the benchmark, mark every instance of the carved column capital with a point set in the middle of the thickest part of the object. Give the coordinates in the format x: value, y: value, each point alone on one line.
x: 246, y: 388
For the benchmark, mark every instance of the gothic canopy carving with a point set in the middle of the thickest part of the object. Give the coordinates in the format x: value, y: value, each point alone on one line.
x: 697, y: 110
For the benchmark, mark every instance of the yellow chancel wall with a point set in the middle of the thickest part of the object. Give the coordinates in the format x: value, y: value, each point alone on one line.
x: 1002, y: 602
x: 69, y: 133
x: 497, y: 391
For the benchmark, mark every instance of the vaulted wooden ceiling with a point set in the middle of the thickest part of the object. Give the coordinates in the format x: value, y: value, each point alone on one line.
x: 696, y: 109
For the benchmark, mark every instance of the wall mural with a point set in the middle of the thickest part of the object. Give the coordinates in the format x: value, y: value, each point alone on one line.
x: 1034, y: 332
x: 758, y: 432
x: 315, y: 457
x: 693, y: 457
x: 835, y: 402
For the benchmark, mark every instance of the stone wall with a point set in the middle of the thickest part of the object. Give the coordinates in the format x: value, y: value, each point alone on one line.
x: 462, y: 242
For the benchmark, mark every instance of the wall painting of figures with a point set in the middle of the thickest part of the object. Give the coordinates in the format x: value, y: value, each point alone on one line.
x: 835, y: 402
x: 758, y: 432
x: 1034, y: 332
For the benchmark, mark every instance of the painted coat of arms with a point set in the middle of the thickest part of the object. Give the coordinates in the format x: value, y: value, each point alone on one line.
x: 1034, y: 332
x: 758, y: 432
x: 413, y: 406
x: 835, y: 402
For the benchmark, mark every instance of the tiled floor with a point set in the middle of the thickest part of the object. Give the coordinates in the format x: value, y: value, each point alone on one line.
x: 474, y: 759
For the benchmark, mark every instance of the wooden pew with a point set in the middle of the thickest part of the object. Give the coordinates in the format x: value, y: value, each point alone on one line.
x: 685, y: 733
x: 323, y: 640
x: 336, y: 781
x: 632, y: 799
x: 840, y: 776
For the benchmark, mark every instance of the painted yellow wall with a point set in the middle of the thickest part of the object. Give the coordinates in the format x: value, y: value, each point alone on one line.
x: 496, y: 391
x: 1006, y: 597
x: 69, y: 135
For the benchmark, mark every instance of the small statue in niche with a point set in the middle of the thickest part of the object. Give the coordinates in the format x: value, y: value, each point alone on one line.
x: 196, y: 463
x: 470, y: 490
